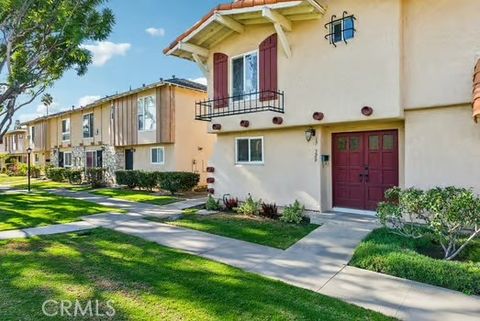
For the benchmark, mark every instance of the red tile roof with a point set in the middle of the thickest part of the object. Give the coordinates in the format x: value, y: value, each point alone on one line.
x: 223, y: 7
x: 476, y: 92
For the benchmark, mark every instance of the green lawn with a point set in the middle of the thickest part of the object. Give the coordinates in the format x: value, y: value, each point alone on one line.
x: 146, y: 281
x: 251, y: 229
x: 136, y: 196
x: 40, y: 209
x: 20, y: 182
x: 419, y: 260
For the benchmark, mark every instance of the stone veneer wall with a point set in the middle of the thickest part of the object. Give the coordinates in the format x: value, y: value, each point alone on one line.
x: 112, y: 160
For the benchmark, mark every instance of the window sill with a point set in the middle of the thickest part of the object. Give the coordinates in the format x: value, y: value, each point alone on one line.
x: 249, y: 163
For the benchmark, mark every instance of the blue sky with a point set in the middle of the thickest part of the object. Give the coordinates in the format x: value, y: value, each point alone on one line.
x: 131, y: 56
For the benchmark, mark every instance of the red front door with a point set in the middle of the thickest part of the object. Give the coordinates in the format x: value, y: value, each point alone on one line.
x: 365, y: 165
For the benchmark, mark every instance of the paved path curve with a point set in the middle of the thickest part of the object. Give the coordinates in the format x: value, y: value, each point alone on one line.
x: 318, y: 262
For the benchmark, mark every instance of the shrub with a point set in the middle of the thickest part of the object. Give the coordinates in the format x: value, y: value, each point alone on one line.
x: 95, y: 177
x: 446, y: 213
x: 270, y: 210
x: 178, y: 181
x: 74, y: 176
x: 250, y: 207
x: 147, y: 180
x: 293, y: 213
x: 56, y: 174
x: 397, y: 255
x: 212, y: 204
x: 128, y: 178
x: 230, y: 203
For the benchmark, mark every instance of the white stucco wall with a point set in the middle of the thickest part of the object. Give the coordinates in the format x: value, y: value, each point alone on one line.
x: 289, y: 172
x: 441, y: 45
x: 319, y: 77
x: 442, y: 148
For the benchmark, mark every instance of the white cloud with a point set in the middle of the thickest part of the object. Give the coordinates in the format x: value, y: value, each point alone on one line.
x: 41, y: 111
x: 103, y: 51
x: 87, y: 100
x: 155, y: 32
x: 201, y: 80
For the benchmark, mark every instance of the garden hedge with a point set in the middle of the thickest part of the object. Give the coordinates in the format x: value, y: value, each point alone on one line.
x: 170, y: 181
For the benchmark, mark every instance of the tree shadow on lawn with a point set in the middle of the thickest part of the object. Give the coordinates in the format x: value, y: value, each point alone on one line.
x: 148, y: 281
x: 31, y: 210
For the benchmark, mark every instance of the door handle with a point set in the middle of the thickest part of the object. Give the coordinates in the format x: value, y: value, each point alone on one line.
x: 367, y: 174
x: 360, y: 176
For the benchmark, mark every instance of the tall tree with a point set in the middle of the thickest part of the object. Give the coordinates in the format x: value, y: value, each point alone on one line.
x: 39, y: 41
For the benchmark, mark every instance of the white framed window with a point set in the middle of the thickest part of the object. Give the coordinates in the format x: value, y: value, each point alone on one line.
x: 249, y: 150
x: 342, y: 29
x: 94, y: 159
x: 157, y: 155
x: 88, y: 125
x: 32, y: 135
x: 66, y: 130
x: 67, y: 159
x: 245, y: 76
x: 147, y: 113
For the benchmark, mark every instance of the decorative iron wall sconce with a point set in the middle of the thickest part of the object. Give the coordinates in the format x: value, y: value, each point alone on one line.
x: 309, y: 134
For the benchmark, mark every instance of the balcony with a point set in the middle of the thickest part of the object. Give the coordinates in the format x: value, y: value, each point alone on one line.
x: 241, y: 104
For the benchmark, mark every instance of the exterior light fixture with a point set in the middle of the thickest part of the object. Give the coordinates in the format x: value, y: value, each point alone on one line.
x: 309, y: 134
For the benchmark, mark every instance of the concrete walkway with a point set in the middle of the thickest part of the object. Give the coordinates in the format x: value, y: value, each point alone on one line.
x: 46, y: 230
x: 143, y: 209
x: 318, y: 262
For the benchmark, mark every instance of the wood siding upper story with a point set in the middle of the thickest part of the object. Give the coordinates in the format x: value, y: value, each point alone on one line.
x: 124, y: 121
x: 40, y: 142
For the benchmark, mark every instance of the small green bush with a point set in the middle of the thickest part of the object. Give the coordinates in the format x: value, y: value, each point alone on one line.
x: 56, y: 174
x: 250, y: 207
x: 95, y: 177
x: 147, y: 180
x: 293, y: 213
x: 178, y: 181
x: 128, y: 178
x: 212, y: 204
x: 74, y: 176
x: 386, y: 252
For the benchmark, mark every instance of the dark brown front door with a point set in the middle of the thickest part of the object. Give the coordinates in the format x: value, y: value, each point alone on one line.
x: 365, y: 165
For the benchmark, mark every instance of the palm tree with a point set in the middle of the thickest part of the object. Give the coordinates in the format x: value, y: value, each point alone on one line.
x: 47, y: 100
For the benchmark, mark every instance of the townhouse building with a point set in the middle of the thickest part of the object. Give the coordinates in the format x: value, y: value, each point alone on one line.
x: 14, y: 145
x: 333, y: 102
x: 151, y: 128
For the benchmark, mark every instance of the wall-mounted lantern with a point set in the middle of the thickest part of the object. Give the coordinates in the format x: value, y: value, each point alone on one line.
x: 309, y: 134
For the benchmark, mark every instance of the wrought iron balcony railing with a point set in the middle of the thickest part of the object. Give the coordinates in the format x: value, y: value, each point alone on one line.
x: 240, y: 104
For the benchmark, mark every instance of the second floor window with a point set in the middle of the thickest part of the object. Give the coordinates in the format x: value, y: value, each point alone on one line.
x: 245, y: 76
x: 33, y: 134
x: 88, y: 126
x: 147, y: 114
x: 66, y: 130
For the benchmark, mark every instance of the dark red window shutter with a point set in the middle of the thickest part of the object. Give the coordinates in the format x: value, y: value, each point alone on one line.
x: 220, y: 80
x: 268, y: 68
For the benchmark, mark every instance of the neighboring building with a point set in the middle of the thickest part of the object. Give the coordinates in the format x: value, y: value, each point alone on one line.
x: 15, y: 144
x: 332, y: 105
x: 149, y: 128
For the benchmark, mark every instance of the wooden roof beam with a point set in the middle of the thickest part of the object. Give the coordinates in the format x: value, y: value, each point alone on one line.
x: 229, y: 23
x: 193, y: 49
x: 275, y: 17
x: 281, y: 25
